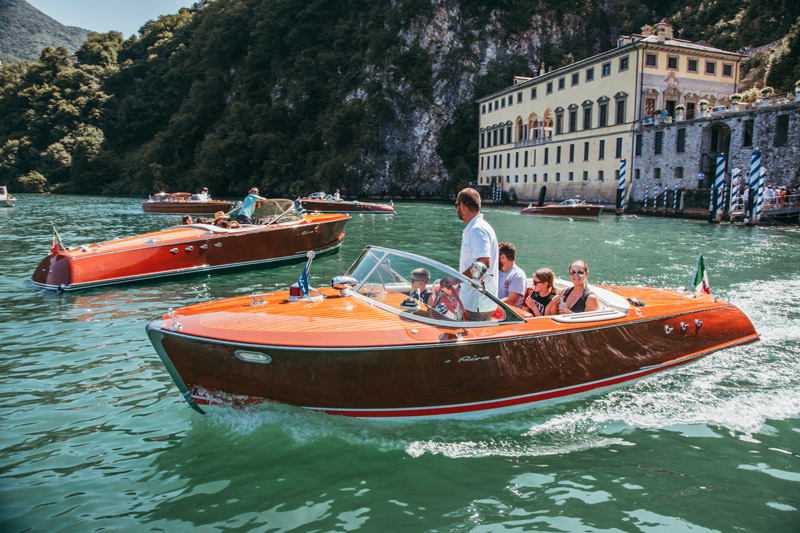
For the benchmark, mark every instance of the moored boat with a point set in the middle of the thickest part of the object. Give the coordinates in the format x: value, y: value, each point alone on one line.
x: 279, y: 234
x: 366, y: 347
x: 6, y: 200
x: 182, y: 203
x: 323, y: 203
x: 572, y: 208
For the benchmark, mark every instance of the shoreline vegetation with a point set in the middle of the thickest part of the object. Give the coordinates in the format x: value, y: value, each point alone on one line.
x: 295, y: 97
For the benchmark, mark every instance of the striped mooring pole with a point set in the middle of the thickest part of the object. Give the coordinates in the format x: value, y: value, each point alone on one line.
x: 646, y: 194
x: 655, y: 195
x: 762, y: 186
x: 755, y: 178
x: 719, y: 185
x: 622, y: 165
x: 675, y: 198
x: 734, y: 203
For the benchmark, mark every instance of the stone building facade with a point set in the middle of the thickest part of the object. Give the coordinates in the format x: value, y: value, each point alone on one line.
x: 673, y: 154
x: 567, y: 129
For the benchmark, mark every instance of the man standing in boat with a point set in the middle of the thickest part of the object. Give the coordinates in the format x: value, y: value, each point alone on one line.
x: 249, y: 205
x: 478, y: 245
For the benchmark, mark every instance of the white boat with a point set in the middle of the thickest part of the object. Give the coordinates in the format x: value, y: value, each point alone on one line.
x: 6, y: 200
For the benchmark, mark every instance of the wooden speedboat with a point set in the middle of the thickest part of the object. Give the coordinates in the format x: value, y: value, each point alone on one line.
x: 279, y: 234
x: 181, y: 203
x: 326, y: 204
x: 6, y: 200
x: 365, y: 348
x: 571, y: 208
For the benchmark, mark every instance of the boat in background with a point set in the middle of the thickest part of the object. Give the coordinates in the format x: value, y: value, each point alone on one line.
x: 369, y: 346
x: 6, y: 200
x: 181, y: 203
x: 279, y: 234
x: 325, y: 203
x: 572, y: 208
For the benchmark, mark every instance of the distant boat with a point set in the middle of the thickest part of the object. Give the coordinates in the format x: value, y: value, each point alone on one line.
x: 366, y: 346
x: 572, y: 208
x: 279, y: 234
x: 324, y: 203
x: 181, y: 203
x: 6, y: 200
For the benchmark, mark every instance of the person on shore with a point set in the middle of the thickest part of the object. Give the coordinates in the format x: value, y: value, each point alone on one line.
x: 249, y: 205
x: 542, y: 300
x: 478, y: 245
x: 511, y: 282
x: 579, y: 297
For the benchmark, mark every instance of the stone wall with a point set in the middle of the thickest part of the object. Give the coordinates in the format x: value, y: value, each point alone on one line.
x: 736, y: 134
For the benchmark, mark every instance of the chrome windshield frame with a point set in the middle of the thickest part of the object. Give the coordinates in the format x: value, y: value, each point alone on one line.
x: 380, y: 253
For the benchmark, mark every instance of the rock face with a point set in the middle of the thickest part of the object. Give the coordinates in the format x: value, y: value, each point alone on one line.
x: 460, y: 53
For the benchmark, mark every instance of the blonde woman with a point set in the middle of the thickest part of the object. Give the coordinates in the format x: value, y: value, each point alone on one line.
x: 579, y: 297
x: 542, y: 300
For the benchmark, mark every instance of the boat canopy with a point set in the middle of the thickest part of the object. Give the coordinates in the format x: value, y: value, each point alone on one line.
x: 384, y: 277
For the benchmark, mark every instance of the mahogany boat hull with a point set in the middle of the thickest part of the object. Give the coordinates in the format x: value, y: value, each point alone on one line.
x: 324, y: 206
x: 187, y: 208
x: 441, y: 372
x: 571, y: 211
x: 185, y: 250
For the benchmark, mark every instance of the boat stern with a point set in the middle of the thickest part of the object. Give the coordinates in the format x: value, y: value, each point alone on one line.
x: 54, y: 272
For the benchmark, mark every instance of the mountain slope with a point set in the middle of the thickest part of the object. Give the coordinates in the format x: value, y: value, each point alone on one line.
x: 25, y: 32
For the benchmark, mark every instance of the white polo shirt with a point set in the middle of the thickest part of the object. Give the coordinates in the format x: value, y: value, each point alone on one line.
x: 478, y: 240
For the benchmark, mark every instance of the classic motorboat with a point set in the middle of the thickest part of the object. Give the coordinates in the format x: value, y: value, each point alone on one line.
x: 183, y: 203
x: 325, y: 203
x: 279, y: 234
x: 6, y: 200
x: 572, y: 208
x: 367, y: 347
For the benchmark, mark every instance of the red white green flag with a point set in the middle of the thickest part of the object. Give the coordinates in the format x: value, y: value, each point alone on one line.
x: 700, y: 279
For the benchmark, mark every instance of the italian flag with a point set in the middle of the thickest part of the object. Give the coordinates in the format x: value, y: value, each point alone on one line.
x: 700, y: 279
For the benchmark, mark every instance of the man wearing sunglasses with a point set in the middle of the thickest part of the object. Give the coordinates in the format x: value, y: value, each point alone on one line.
x: 478, y: 245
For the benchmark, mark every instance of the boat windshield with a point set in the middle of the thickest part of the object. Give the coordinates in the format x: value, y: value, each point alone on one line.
x: 276, y: 211
x: 424, y: 290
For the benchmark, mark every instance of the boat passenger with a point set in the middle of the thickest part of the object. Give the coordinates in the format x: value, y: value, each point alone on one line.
x: 221, y: 220
x: 512, y: 283
x: 419, y: 286
x: 579, y: 297
x: 249, y: 205
x: 336, y: 197
x: 187, y: 219
x: 542, y: 300
x: 478, y: 245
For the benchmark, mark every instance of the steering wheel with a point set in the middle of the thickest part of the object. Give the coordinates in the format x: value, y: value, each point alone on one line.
x: 449, y: 297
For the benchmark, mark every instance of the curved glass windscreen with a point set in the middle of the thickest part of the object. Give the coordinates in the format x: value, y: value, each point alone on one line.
x: 423, y: 288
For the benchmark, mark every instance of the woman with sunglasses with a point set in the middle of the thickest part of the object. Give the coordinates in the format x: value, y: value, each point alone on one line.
x: 542, y: 299
x: 579, y: 297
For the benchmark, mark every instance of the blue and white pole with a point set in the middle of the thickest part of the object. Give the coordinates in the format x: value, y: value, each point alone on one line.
x: 762, y: 185
x: 719, y: 183
x: 735, y: 188
x: 665, y: 197
x: 675, y: 198
x: 755, y: 178
x: 622, y: 165
x: 646, y: 194
x: 655, y: 195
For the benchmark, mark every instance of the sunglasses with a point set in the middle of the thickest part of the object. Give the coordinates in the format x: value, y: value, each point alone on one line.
x: 576, y: 272
x: 458, y: 204
x: 538, y: 281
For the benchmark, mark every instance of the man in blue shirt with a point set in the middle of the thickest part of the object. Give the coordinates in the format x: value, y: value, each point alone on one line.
x: 249, y: 205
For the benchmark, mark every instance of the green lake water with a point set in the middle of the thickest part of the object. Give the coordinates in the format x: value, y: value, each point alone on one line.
x: 95, y: 435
